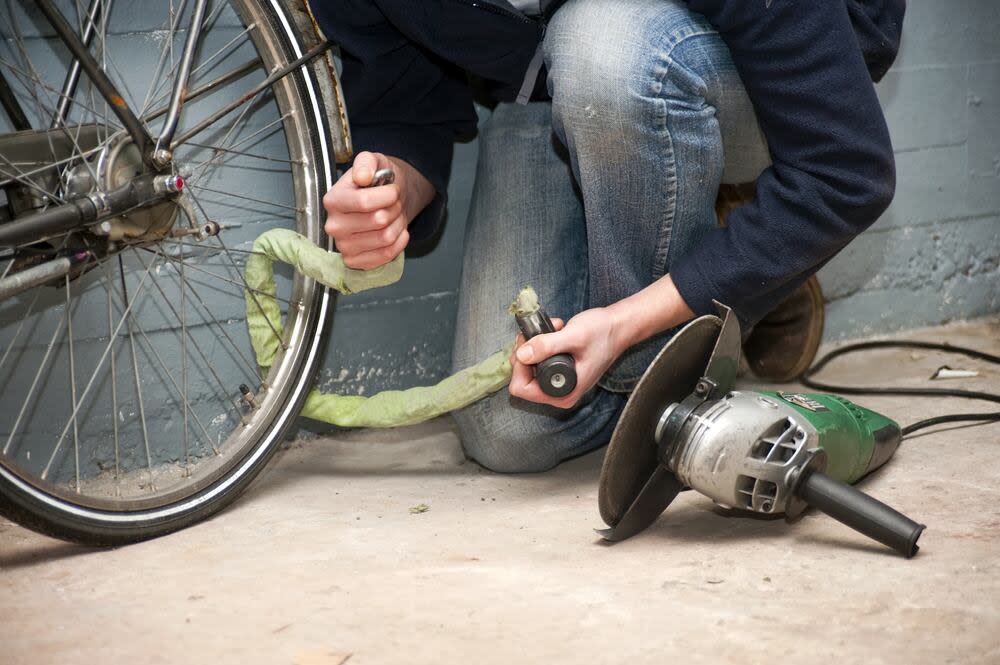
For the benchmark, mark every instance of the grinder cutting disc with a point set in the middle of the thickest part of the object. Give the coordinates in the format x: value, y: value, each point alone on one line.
x: 630, y: 464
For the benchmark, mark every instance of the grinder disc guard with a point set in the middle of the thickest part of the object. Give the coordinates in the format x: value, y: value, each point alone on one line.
x: 635, y: 487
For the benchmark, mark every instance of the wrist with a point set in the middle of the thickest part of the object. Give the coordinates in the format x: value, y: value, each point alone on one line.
x: 418, y: 191
x: 625, y: 332
x: 656, y: 308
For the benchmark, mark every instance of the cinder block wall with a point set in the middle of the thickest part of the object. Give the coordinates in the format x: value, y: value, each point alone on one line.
x: 931, y: 258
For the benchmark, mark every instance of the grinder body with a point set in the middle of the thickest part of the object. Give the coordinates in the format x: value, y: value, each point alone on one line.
x: 774, y: 453
x: 766, y: 452
x: 748, y: 449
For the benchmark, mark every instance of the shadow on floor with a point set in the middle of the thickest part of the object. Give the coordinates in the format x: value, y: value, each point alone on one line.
x: 43, y: 552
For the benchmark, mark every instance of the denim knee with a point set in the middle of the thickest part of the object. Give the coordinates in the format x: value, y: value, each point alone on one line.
x: 503, y: 441
x: 510, y: 436
x: 610, y: 60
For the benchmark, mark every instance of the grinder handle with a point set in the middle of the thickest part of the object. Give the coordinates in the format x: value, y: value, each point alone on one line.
x: 862, y: 512
x: 556, y: 375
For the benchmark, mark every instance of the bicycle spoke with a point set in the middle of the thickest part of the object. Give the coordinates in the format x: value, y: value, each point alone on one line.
x: 246, y: 198
x: 154, y: 80
x: 186, y: 406
x: 27, y: 182
x: 108, y: 281
x: 246, y: 154
x: 150, y: 101
x: 41, y: 169
x: 243, y: 34
x: 72, y: 383
x: 135, y: 374
x: 12, y: 106
x: 182, y: 78
x: 210, y: 21
x: 106, y: 117
x: 56, y: 334
x: 112, y: 68
x: 211, y: 86
x: 184, y: 379
x: 34, y: 382
x: 75, y: 139
x: 241, y: 285
x: 17, y: 333
x: 19, y: 43
x: 87, y: 27
x: 252, y: 94
x: 207, y: 363
x: 93, y: 377
x: 251, y: 367
x: 215, y: 250
x: 202, y: 166
x: 253, y: 294
x: 170, y: 376
x: 53, y: 108
x: 40, y: 84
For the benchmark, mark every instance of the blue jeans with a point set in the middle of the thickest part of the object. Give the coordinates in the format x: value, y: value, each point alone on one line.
x: 592, y: 197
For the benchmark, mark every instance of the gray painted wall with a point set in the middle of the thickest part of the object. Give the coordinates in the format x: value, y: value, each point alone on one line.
x: 931, y: 258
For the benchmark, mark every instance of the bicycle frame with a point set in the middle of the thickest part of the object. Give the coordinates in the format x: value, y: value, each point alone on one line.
x: 152, y: 153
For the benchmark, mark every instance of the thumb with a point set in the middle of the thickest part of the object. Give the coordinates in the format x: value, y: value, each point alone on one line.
x: 365, y: 165
x: 540, y: 347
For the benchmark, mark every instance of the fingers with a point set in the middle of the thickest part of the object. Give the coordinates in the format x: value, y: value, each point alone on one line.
x: 540, y: 347
x: 368, y: 224
x: 357, y: 232
x: 359, y: 243
x: 523, y: 384
x: 377, y: 257
x: 521, y: 376
x: 365, y: 166
x: 346, y: 197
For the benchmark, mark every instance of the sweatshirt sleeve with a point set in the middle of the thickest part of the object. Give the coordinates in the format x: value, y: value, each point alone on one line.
x: 832, y: 172
x: 402, y: 100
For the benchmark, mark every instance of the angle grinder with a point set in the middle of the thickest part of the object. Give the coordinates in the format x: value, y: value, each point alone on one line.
x: 765, y: 452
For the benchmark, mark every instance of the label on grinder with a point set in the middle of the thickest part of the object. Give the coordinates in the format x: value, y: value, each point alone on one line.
x: 803, y: 401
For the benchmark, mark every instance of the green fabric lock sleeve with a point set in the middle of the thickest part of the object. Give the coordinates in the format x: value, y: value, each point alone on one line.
x: 391, y: 408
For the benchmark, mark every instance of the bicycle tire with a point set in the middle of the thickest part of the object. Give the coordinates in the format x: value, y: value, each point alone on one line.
x: 315, y: 86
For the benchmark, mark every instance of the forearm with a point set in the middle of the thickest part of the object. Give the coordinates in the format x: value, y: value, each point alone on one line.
x: 652, y: 310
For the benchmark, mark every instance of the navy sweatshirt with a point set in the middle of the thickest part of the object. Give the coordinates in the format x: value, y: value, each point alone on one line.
x: 807, y: 66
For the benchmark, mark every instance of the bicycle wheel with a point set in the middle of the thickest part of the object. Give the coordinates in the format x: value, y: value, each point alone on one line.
x: 121, y: 411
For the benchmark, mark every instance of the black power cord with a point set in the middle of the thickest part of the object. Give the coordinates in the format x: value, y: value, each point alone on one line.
x: 808, y: 381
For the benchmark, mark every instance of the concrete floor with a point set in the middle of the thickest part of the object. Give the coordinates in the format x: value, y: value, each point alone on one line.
x: 322, y: 561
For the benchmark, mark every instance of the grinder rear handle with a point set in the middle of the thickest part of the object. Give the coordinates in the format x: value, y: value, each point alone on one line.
x: 556, y: 375
x: 861, y: 512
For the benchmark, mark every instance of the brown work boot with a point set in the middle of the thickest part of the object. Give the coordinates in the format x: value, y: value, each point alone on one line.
x: 783, y: 345
x: 731, y: 197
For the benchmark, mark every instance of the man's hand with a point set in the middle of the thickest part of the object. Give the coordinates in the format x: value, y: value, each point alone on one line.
x: 590, y: 337
x: 595, y: 338
x: 369, y: 225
